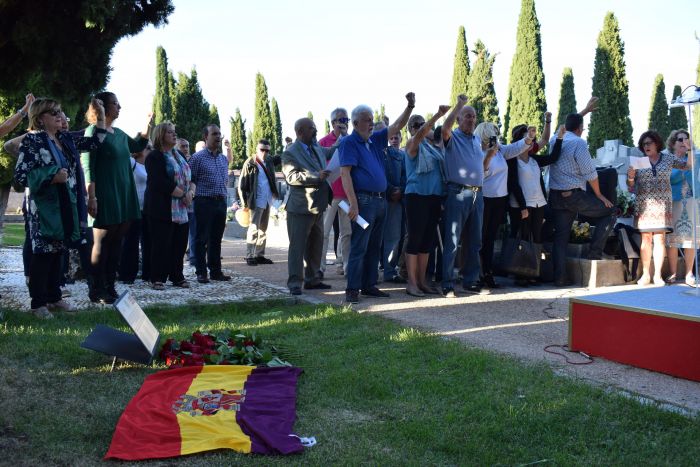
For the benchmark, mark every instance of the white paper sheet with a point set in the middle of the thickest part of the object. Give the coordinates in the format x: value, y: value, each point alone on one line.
x: 640, y: 163
x: 359, y: 219
x: 334, y: 167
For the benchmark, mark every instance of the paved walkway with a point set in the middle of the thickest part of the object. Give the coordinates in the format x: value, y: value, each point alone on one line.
x: 516, y: 321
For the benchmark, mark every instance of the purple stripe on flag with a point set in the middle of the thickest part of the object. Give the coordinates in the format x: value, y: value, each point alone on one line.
x: 267, y: 416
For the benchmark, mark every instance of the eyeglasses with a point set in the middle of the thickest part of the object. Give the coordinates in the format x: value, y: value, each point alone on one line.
x: 342, y: 120
x: 681, y: 139
x: 648, y: 143
x: 53, y: 112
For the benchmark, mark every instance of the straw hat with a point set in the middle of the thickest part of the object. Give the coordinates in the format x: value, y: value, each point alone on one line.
x: 243, y: 217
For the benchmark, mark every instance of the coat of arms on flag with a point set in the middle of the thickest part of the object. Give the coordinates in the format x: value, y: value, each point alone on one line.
x: 195, y: 409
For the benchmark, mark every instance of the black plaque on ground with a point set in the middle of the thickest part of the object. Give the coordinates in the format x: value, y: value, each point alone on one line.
x: 139, y: 347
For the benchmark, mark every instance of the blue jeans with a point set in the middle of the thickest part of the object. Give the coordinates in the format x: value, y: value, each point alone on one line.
x: 564, y: 210
x: 393, y: 221
x: 365, y: 243
x: 464, y: 209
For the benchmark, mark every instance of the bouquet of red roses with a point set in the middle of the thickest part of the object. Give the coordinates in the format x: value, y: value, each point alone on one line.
x: 230, y: 348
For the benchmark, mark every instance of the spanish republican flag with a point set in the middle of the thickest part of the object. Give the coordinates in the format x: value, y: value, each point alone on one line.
x: 194, y: 409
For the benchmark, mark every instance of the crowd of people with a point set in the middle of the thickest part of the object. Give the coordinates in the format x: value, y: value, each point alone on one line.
x: 417, y: 211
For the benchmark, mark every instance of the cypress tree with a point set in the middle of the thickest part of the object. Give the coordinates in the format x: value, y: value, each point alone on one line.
x: 526, y: 99
x: 481, y: 91
x: 326, y: 127
x: 379, y: 113
x: 676, y: 117
x: 276, y: 140
x: 262, y: 125
x: 611, y: 120
x: 658, y: 111
x: 214, y: 116
x: 162, y: 104
x: 250, y: 143
x: 191, y: 110
x: 310, y: 115
x: 238, y: 140
x: 567, y: 97
x: 460, y: 71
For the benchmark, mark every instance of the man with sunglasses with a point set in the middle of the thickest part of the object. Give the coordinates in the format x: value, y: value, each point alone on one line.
x: 339, y: 121
x: 257, y: 189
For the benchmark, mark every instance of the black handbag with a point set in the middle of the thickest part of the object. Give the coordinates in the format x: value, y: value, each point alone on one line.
x: 522, y: 257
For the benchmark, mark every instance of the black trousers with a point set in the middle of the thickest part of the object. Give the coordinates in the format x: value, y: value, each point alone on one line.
x: 494, y: 215
x: 168, y: 245
x: 107, y: 250
x: 138, y: 235
x: 44, y: 278
x: 211, y: 222
x: 531, y: 225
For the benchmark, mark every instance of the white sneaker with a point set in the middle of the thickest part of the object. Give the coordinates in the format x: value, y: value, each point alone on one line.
x: 690, y: 280
x: 61, y: 305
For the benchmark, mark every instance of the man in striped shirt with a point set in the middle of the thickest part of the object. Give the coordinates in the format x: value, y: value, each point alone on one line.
x: 568, y: 197
x: 209, y: 173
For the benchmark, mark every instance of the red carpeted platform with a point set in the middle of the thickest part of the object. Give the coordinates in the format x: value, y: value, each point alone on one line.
x: 657, y: 328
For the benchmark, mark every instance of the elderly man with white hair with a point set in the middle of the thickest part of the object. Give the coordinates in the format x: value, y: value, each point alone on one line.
x: 361, y: 157
x: 466, y: 160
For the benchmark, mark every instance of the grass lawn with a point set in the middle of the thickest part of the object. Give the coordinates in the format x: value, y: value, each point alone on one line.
x: 372, y: 393
x: 13, y: 234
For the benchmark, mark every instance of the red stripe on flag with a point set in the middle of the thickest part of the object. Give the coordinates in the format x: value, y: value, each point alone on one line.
x: 156, y: 434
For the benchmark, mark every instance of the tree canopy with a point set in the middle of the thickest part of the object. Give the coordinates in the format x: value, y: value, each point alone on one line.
x: 611, y: 120
x: 567, y: 97
x: 526, y: 102
x: 658, y: 111
x: 677, y: 120
x: 481, y: 91
x: 460, y: 71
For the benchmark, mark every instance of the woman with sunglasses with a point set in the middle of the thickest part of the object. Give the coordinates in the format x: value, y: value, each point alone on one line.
x: 653, y: 202
x: 169, y: 192
x: 48, y: 164
x: 682, y: 193
x: 424, y: 193
x: 112, y: 199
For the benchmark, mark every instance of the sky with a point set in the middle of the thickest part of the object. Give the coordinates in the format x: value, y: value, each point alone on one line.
x: 316, y: 56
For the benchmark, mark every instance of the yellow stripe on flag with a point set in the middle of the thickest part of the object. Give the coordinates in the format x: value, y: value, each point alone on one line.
x: 203, y: 432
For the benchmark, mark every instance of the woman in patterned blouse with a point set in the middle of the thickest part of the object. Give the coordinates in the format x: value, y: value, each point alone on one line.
x: 48, y: 164
x: 653, y: 216
x: 169, y: 192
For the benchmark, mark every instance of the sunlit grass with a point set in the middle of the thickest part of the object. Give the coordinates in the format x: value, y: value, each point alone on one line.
x: 372, y: 392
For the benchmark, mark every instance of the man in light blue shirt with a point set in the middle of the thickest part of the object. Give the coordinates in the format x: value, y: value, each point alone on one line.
x: 464, y: 206
x: 568, y: 197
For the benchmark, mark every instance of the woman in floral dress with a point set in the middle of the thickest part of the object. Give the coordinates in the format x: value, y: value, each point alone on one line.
x: 678, y: 144
x: 653, y: 216
x: 48, y: 164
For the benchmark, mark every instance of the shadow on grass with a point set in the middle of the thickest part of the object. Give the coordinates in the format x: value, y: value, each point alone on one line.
x: 372, y: 392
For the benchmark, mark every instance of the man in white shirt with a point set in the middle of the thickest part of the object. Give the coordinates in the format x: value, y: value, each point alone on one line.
x: 257, y: 190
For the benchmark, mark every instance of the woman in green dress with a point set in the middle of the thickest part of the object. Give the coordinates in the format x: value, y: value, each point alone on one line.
x: 112, y: 199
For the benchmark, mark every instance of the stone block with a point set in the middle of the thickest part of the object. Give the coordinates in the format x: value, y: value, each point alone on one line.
x: 595, y: 273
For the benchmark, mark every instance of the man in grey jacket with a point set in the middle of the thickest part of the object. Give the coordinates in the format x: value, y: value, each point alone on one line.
x: 304, y: 168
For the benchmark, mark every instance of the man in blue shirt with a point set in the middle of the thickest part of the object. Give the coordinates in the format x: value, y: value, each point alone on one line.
x: 464, y: 206
x: 364, y: 179
x: 209, y: 174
